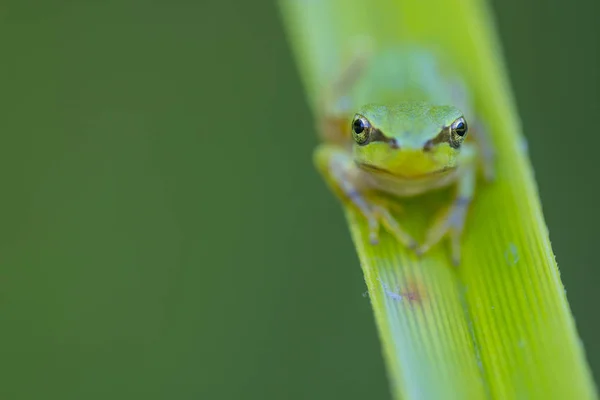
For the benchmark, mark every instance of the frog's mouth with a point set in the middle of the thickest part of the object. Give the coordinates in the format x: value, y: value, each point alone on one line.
x: 379, y: 170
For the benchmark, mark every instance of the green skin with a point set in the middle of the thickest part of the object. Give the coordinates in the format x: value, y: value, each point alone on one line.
x: 390, y: 123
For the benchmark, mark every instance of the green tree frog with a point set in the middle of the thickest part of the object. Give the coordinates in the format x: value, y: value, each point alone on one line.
x: 396, y: 122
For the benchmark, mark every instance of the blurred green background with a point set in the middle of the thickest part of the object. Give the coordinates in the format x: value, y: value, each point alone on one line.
x: 164, y: 234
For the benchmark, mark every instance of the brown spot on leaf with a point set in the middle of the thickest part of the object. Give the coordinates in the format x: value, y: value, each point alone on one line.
x: 414, y: 293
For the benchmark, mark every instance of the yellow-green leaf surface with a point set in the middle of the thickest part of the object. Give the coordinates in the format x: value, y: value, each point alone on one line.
x: 499, y: 326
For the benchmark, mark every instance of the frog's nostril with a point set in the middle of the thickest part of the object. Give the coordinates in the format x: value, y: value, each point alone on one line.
x: 393, y: 143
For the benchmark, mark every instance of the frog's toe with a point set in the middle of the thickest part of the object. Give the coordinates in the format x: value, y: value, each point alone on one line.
x: 450, y: 225
x: 373, y: 229
x: 413, y: 245
x: 455, y: 244
x: 420, y: 250
x: 374, y: 238
x: 393, y: 227
x: 436, y: 235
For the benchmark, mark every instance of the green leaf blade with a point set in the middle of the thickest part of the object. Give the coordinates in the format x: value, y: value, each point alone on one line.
x: 498, y: 326
x: 429, y: 338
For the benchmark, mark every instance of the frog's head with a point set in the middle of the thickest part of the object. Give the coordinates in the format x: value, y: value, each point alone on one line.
x: 409, y: 140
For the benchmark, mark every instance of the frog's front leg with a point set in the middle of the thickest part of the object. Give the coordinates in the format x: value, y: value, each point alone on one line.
x: 341, y: 173
x: 451, y: 222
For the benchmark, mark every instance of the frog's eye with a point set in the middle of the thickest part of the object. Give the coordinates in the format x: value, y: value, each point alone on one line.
x: 458, y: 131
x: 459, y: 127
x: 361, y: 129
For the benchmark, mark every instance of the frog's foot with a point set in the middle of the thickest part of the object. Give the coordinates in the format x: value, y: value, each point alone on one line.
x: 341, y: 173
x: 450, y: 223
x: 380, y: 214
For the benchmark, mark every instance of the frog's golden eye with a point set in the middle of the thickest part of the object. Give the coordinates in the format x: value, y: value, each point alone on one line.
x: 459, y: 127
x: 361, y: 129
x: 458, y: 131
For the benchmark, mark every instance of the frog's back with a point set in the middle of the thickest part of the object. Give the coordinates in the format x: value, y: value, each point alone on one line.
x: 402, y: 74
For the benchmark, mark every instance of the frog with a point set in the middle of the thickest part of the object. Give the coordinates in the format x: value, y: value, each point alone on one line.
x: 398, y: 122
